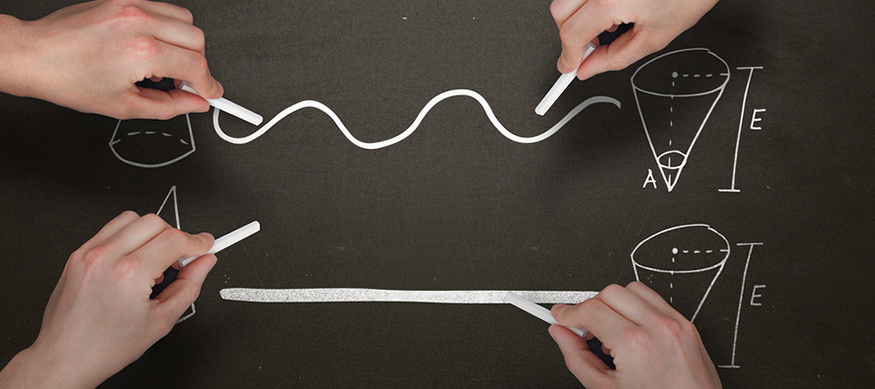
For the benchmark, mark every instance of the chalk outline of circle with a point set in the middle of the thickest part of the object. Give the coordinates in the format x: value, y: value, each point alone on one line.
x: 721, y: 87
x: 720, y: 264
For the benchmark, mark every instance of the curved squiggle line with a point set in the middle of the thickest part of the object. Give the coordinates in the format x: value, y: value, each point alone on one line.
x: 388, y: 142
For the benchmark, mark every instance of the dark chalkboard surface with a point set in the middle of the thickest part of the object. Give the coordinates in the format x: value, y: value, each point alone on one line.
x: 743, y: 151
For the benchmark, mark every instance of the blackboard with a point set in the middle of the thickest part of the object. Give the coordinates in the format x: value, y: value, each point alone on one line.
x: 778, y: 185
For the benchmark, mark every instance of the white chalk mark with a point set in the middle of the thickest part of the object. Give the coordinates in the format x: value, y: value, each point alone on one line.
x: 188, y: 316
x: 650, y: 258
x: 443, y: 96
x: 117, y: 138
x: 538, y: 311
x: 740, y: 123
x: 358, y: 295
x: 732, y: 364
x: 172, y: 194
x: 657, y: 92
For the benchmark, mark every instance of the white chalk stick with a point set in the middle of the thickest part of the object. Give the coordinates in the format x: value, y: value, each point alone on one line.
x: 562, y: 83
x: 538, y: 311
x: 227, y: 240
x: 228, y: 106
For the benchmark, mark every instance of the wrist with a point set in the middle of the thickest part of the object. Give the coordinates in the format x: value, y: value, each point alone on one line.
x: 20, y: 65
x: 12, y: 52
x: 31, y: 368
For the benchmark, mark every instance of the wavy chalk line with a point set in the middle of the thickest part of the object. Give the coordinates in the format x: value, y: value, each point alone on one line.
x: 388, y: 142
x: 358, y: 295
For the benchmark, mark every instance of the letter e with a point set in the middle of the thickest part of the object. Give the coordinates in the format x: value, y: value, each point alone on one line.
x: 754, y: 296
x: 754, y: 119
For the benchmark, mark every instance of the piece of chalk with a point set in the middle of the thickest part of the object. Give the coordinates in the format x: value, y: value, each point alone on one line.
x: 228, y: 106
x: 227, y: 240
x: 562, y: 83
x: 538, y: 311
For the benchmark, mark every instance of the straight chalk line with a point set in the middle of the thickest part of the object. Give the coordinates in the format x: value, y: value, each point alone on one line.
x: 351, y: 295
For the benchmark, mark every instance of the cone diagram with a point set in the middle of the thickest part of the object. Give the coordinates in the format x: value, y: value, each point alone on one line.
x: 676, y: 93
x: 682, y: 264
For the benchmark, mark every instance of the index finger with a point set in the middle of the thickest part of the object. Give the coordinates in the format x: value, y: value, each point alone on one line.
x: 622, y: 52
x: 582, y: 27
x: 154, y: 104
x: 183, y: 65
x: 654, y: 300
x: 168, y: 10
x: 177, y: 33
x: 110, y: 229
x: 130, y: 232
x: 628, y: 304
x: 563, y: 9
x: 167, y: 247
x: 597, y: 317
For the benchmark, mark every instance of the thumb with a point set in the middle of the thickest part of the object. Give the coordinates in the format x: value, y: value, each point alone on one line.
x: 586, y: 366
x: 622, y: 52
x: 182, y: 292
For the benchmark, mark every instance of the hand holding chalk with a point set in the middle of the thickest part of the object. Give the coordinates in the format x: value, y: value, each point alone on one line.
x: 218, y: 245
x: 649, y: 342
x: 561, y: 84
x: 659, y: 22
x: 97, y: 320
x: 565, y: 79
x: 538, y: 311
x: 228, y: 106
x: 227, y: 240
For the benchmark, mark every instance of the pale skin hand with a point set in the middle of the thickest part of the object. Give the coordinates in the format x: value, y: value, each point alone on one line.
x: 89, y: 56
x: 99, y: 318
x: 657, y: 23
x: 653, y: 345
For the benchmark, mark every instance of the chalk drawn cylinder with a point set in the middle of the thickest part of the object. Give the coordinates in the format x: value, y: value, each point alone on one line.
x: 675, y: 93
x: 681, y: 264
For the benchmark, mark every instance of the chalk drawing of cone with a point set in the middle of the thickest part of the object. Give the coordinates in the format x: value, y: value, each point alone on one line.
x: 675, y: 93
x: 152, y: 144
x: 170, y: 206
x: 682, y: 264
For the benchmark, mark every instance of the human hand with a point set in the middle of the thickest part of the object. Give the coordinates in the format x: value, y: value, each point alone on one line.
x: 99, y: 318
x: 653, y: 346
x: 657, y: 22
x: 89, y: 56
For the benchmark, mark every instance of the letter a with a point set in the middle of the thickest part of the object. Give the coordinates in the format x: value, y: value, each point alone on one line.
x: 650, y: 179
